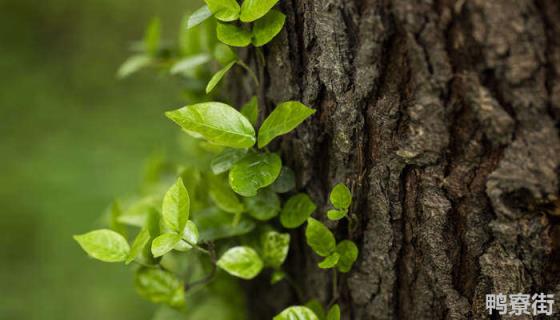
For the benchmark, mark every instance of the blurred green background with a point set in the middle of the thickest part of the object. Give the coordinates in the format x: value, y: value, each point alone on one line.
x: 72, y: 137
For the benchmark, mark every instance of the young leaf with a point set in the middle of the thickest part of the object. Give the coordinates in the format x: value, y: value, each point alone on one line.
x: 223, y: 54
x: 224, y: 197
x: 105, y: 245
x: 296, y: 210
x: 277, y: 276
x: 286, y: 181
x: 340, y: 196
x: 296, y: 313
x: 217, y: 77
x: 199, y: 16
x: 319, y: 238
x: 233, y: 35
x: 334, y: 313
x: 152, y: 37
x: 330, y: 261
x: 348, y: 252
x: 175, y: 208
x: 251, y: 110
x: 190, y: 234
x: 275, y: 247
x: 138, y: 245
x: 255, y: 171
x: 217, y: 122
x: 266, y: 28
x: 159, y: 286
x: 264, y: 206
x: 225, y: 160
x: 189, y: 63
x: 242, y: 262
x: 133, y: 64
x: 224, y: 10
x: 252, y: 10
x: 285, y: 117
x: 317, y: 308
x: 182, y: 246
x: 164, y: 243
x: 141, y: 249
x: 335, y: 214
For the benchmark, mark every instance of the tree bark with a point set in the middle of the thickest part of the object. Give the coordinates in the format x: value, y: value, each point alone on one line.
x: 443, y: 118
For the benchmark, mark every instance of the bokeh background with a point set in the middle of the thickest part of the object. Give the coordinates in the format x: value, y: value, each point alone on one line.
x: 72, y: 137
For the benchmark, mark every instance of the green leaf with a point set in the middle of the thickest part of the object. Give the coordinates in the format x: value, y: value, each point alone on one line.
x: 217, y: 77
x: 164, y: 243
x: 175, y: 208
x: 334, y: 313
x: 215, y: 224
x: 296, y: 313
x: 319, y: 238
x: 152, y: 37
x: 264, y: 206
x: 224, y: 197
x: 296, y: 210
x: 317, y: 308
x: 224, y: 10
x: 133, y: 65
x: 286, y: 181
x: 340, y: 196
x: 217, y: 122
x: 233, y: 35
x: 189, y: 63
x: 255, y: 171
x: 242, y: 262
x: 105, y: 245
x: 182, y: 246
x: 336, y: 214
x: 348, y: 252
x: 199, y: 16
x: 140, y: 242
x: 252, y: 10
x: 266, y: 28
x: 251, y: 110
x: 275, y: 247
x: 141, y: 249
x: 330, y: 261
x: 190, y: 234
x: 277, y: 276
x: 225, y: 160
x: 159, y: 286
x: 285, y: 117
x: 223, y: 54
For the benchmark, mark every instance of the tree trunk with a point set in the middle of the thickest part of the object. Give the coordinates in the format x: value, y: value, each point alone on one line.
x: 443, y: 118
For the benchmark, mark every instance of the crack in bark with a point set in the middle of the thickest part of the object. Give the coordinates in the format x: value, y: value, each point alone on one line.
x: 443, y: 118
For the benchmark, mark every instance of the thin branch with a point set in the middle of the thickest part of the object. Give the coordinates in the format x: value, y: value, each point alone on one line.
x: 212, y: 253
x: 250, y: 71
x: 335, y: 294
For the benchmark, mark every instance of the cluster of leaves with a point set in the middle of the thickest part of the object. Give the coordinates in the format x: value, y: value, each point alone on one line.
x: 217, y: 210
x: 253, y: 22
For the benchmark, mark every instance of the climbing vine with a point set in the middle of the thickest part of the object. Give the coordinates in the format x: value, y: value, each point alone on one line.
x: 228, y: 205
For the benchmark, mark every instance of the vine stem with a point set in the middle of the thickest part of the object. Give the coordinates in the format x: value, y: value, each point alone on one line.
x: 212, y: 253
x: 295, y: 285
x: 334, y: 287
x: 199, y: 248
x: 250, y: 71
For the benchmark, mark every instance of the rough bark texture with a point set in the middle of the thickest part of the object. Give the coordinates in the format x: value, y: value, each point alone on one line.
x: 443, y: 118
